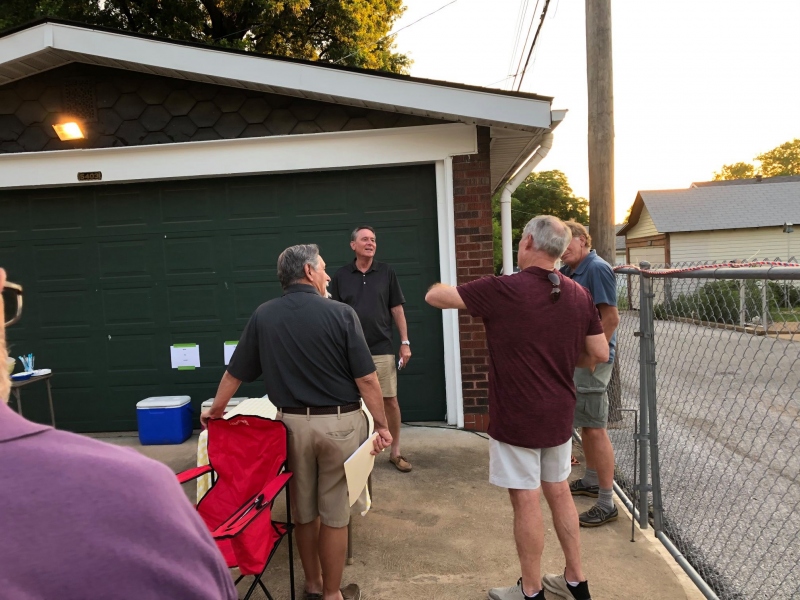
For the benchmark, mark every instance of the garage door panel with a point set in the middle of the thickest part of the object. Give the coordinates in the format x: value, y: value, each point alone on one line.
x: 320, y: 195
x: 334, y: 243
x: 129, y: 306
x: 128, y: 353
x: 65, y: 309
x: 386, y: 192
x: 71, y: 358
x: 404, y: 242
x: 58, y: 213
x: 189, y: 255
x: 126, y: 209
x: 125, y: 258
x: 193, y: 303
x: 14, y: 216
x: 253, y: 252
x: 254, y: 201
x: 188, y: 204
x: 70, y: 262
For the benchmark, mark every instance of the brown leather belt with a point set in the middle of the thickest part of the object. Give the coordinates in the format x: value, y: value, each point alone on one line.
x: 322, y: 410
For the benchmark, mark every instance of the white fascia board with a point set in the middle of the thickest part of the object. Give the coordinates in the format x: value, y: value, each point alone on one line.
x: 25, y: 43
x: 419, y: 96
x: 249, y: 156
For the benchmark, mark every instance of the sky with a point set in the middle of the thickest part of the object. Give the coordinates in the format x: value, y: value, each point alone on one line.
x: 697, y: 83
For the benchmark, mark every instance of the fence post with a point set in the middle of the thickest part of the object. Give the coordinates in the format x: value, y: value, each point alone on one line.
x: 645, y: 295
x: 648, y: 343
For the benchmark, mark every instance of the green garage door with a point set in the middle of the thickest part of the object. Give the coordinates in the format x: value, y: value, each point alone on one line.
x: 116, y: 274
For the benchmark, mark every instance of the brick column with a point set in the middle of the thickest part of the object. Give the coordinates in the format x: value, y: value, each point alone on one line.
x: 472, y: 196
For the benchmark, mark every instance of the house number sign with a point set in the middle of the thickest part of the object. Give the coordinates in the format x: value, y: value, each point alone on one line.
x: 90, y: 176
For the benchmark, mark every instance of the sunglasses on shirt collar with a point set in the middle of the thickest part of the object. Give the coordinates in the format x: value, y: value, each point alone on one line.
x: 555, y: 294
x: 12, y: 303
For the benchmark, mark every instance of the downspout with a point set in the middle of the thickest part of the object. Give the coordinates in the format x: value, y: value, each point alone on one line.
x: 505, y: 199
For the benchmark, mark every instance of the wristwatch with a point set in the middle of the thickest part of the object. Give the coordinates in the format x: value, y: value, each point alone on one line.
x: 406, y: 343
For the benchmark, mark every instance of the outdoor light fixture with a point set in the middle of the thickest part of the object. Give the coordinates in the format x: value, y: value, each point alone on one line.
x: 68, y: 131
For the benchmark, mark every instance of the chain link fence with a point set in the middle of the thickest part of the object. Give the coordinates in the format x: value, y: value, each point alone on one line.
x: 708, y: 369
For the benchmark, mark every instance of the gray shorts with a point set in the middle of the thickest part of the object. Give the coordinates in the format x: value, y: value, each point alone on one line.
x: 591, y: 407
x: 519, y: 468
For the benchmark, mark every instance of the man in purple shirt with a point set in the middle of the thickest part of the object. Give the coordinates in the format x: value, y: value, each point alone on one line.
x: 539, y: 325
x: 84, y: 519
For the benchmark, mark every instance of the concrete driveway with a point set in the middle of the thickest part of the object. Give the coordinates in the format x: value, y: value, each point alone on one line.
x: 443, y: 532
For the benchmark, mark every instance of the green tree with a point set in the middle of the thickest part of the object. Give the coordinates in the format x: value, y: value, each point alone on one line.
x: 740, y: 170
x: 347, y: 32
x: 782, y: 160
x: 542, y: 193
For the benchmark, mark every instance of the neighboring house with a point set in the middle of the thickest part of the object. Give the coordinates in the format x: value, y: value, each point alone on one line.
x: 197, y: 167
x: 717, y: 221
x: 621, y: 256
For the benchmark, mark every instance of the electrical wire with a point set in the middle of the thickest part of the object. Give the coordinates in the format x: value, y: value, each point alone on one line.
x: 393, y: 33
x: 523, y: 10
x: 485, y: 437
x: 525, y: 43
x: 533, y: 45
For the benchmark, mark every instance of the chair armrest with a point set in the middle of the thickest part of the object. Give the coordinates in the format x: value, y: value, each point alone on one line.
x: 245, y: 515
x: 190, y: 474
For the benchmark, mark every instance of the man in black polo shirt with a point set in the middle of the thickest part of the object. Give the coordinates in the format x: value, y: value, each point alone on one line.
x: 372, y: 289
x: 316, y: 364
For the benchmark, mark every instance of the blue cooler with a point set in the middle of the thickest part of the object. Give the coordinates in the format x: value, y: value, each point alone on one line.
x: 164, y: 420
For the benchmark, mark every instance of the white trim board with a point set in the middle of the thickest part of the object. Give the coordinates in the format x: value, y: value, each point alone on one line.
x: 248, y: 156
x: 204, y: 64
x: 448, y: 273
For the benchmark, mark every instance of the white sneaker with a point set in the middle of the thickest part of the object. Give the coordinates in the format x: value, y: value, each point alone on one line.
x: 511, y: 593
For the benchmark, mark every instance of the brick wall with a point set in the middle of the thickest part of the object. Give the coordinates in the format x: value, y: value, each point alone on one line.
x: 472, y: 195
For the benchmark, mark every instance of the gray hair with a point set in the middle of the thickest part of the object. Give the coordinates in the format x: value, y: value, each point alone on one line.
x: 550, y: 235
x: 354, y: 235
x: 292, y: 263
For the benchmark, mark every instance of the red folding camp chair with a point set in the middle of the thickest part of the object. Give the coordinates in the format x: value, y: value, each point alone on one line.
x: 247, y: 456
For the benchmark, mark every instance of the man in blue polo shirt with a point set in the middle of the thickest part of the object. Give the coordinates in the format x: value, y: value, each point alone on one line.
x: 582, y: 264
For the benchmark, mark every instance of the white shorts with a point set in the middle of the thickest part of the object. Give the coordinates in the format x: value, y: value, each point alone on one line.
x: 519, y: 468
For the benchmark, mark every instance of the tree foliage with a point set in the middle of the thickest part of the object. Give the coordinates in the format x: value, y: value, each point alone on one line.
x: 347, y: 32
x: 542, y: 193
x: 739, y: 170
x: 780, y: 161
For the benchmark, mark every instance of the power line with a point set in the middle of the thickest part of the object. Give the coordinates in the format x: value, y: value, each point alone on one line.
x: 525, y: 43
x: 533, y: 45
x: 387, y: 36
x: 523, y: 10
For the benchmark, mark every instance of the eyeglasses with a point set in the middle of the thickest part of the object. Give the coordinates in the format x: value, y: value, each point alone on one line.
x: 556, y: 293
x: 12, y: 303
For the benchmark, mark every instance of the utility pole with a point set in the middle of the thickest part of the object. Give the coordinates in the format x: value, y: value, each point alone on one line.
x: 600, y: 80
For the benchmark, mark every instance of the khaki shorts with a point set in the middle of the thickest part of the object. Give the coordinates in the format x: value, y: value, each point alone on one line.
x: 591, y: 407
x: 387, y: 374
x: 318, y: 447
x: 519, y: 468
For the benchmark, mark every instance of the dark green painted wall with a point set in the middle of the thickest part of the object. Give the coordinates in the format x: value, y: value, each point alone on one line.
x: 115, y: 274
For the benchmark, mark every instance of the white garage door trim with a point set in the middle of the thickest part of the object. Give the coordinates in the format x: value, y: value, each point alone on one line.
x: 248, y: 156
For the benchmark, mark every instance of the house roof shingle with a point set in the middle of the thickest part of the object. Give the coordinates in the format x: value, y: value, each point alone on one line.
x: 706, y: 208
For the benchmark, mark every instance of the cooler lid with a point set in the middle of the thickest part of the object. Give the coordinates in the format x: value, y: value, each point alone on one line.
x: 233, y: 402
x: 163, y: 402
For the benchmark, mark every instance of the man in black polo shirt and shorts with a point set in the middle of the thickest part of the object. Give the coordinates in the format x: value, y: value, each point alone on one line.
x: 315, y: 364
x: 372, y: 289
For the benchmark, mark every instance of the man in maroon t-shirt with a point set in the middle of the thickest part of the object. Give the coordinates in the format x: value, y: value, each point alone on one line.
x: 539, y: 325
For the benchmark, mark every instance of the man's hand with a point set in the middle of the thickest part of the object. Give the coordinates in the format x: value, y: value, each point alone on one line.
x: 208, y: 414
x: 382, y: 441
x: 405, y: 354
